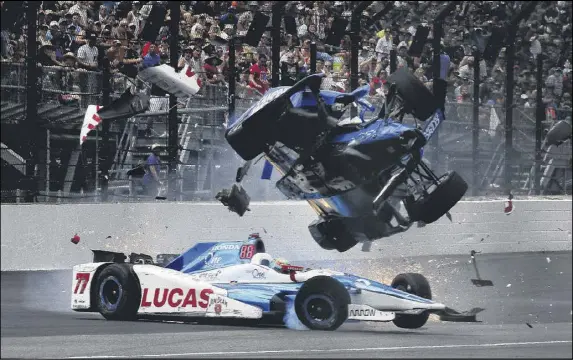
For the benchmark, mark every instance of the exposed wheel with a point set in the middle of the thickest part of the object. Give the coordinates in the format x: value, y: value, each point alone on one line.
x: 416, y: 96
x: 441, y: 198
x: 247, y: 141
x: 117, y: 293
x: 322, y: 303
x: 332, y: 234
x: 416, y: 284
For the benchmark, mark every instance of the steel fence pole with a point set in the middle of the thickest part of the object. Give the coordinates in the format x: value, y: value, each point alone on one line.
x: 232, y: 81
x: 509, y: 88
x: 539, y: 117
x: 313, y: 57
x: 354, y: 43
x: 276, y: 42
x: 106, y: 158
x: 393, y: 60
x: 475, y: 127
x: 173, y: 145
x: 31, y: 127
x: 438, y: 32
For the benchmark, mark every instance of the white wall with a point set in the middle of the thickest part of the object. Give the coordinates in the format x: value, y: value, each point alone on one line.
x: 38, y: 236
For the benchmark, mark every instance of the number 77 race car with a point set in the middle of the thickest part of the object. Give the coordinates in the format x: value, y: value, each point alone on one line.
x: 237, y: 279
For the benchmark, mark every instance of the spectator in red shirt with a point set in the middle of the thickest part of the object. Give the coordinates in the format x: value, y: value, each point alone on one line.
x: 258, y: 79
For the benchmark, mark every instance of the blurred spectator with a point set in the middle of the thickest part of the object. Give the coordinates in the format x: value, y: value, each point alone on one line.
x: 151, y: 182
x: 259, y: 74
x: 152, y: 58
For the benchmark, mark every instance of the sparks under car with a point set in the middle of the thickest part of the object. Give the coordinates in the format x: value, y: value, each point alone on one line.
x: 238, y: 279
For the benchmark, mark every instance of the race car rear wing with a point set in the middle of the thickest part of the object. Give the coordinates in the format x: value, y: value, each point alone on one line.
x: 134, y: 258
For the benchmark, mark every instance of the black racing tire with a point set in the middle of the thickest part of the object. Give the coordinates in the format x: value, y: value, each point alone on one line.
x: 418, y: 285
x: 451, y: 189
x: 322, y: 292
x: 332, y: 234
x: 416, y: 96
x: 246, y: 141
x: 117, y: 293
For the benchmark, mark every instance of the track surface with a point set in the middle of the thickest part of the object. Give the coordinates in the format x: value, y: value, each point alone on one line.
x: 528, y: 314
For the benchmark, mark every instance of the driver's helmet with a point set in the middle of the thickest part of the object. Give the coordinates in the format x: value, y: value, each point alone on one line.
x: 278, y: 263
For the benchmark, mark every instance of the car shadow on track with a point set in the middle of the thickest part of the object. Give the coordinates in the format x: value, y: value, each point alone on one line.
x: 429, y: 330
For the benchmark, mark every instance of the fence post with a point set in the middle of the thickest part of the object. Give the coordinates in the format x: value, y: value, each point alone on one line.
x: 173, y: 144
x: 509, y: 86
x: 107, y: 159
x: 276, y: 42
x: 232, y: 81
x: 525, y: 11
x: 539, y: 116
x: 393, y: 60
x: 313, y: 57
x: 437, y: 33
x: 31, y: 99
x: 475, y: 127
x: 354, y: 42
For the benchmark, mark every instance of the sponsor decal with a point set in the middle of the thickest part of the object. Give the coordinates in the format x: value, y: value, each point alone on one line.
x: 82, y: 279
x: 259, y: 275
x: 218, y: 300
x: 226, y: 247
x: 363, y: 312
x: 209, y: 276
x: 175, y: 298
x: 212, y: 260
x: 432, y: 126
x: 218, y: 309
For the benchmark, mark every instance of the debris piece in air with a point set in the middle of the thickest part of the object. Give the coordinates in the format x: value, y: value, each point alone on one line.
x: 508, y: 209
x: 235, y: 199
x: 366, y: 246
x: 479, y: 282
x: 548, y: 259
x: 108, y: 237
x: 528, y: 324
x: 449, y: 216
x: 76, y: 239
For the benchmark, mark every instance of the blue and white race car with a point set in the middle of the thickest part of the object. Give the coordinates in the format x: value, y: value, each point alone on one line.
x: 238, y: 279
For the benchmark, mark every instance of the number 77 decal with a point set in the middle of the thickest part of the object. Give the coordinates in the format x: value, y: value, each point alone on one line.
x: 82, y: 280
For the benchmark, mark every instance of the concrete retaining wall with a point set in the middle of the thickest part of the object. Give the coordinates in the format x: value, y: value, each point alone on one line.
x: 38, y: 236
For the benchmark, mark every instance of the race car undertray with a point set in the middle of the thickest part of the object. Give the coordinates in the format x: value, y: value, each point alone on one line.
x: 452, y: 315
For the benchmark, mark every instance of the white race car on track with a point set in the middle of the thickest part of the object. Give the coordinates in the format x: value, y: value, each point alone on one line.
x: 238, y: 279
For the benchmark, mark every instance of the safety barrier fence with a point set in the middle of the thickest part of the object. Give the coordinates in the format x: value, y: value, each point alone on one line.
x: 72, y: 89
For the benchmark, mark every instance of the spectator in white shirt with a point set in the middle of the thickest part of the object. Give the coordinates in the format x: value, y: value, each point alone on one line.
x: 88, y: 53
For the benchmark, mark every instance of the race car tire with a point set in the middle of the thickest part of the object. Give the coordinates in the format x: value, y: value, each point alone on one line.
x: 117, y: 293
x: 417, y: 97
x: 318, y: 296
x: 450, y: 189
x: 246, y: 142
x: 332, y: 234
x: 416, y: 284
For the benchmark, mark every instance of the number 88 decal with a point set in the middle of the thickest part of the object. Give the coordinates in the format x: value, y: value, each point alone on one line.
x: 247, y: 251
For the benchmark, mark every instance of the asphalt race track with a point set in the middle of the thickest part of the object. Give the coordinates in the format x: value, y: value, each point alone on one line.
x: 528, y: 314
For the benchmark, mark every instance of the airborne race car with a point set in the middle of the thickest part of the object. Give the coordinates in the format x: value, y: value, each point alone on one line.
x: 237, y: 279
x: 355, y: 174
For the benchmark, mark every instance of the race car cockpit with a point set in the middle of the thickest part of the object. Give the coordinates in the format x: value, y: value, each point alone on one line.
x: 279, y: 265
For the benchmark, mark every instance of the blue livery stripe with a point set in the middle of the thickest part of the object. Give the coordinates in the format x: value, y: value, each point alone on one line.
x: 267, y: 171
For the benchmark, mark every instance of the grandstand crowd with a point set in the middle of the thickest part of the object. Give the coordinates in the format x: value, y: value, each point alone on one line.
x: 80, y: 34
